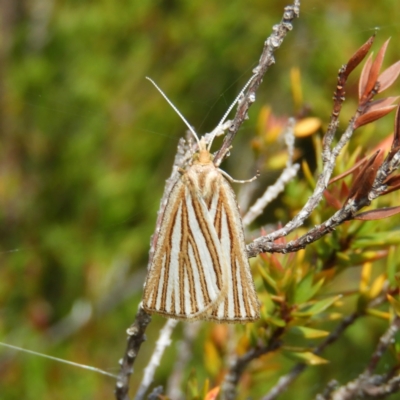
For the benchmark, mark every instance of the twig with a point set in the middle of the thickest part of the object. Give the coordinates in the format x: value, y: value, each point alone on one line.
x: 229, y: 386
x: 347, y: 212
x: 136, y: 336
x: 164, y: 340
x: 287, y: 379
x: 367, y: 385
x: 286, y: 176
x: 329, y: 157
x: 266, y: 60
x: 184, y: 353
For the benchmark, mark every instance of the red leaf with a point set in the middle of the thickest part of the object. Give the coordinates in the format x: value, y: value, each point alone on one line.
x: 331, y: 200
x: 349, y: 171
x: 388, y: 76
x: 375, y: 105
x: 344, y: 191
x: 372, y: 116
x: 364, y: 76
x: 363, y: 182
x: 396, y: 138
x: 359, y: 55
x: 375, y: 68
x: 392, y: 180
x: 378, y: 214
x: 393, y: 188
x: 212, y: 394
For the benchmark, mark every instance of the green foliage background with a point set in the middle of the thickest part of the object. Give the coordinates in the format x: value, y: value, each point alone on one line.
x: 86, y: 144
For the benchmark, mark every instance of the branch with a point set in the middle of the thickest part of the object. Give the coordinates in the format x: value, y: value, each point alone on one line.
x: 367, y: 111
x: 266, y: 60
x: 164, y: 340
x: 136, y: 336
x: 287, y: 379
x: 370, y: 386
x: 184, y: 353
x: 286, y: 176
x: 229, y: 386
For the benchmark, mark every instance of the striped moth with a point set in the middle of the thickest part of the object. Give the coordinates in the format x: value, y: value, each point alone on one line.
x: 200, y: 268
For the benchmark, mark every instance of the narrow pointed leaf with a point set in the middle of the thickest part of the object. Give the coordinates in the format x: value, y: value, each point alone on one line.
x: 308, y: 333
x: 375, y: 68
x: 363, y: 182
x: 395, y: 304
x: 378, y: 214
x: 269, y: 282
x: 305, y: 290
x: 332, y: 201
x: 378, y: 313
x: 306, y: 357
x: 349, y: 171
x: 344, y: 191
x: 380, y: 239
x: 377, y: 286
x: 388, y: 76
x: 280, y: 323
x: 381, y: 103
x: 212, y: 394
x: 396, y: 139
x: 317, y: 307
x: 359, y: 55
x: 391, y: 189
x: 372, y: 116
x: 364, y: 76
x: 396, y: 136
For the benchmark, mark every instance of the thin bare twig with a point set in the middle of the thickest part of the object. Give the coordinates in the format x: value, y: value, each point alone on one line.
x: 164, y: 340
x: 184, y: 353
x: 136, y: 336
x: 329, y: 158
x: 229, y: 386
x: 266, y: 60
x: 284, y: 382
x: 286, y: 176
x: 367, y: 385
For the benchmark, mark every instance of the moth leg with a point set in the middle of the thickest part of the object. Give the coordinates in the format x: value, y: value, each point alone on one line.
x: 227, y: 176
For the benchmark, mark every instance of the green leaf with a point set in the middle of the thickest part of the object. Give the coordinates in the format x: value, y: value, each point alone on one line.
x: 308, y: 333
x: 377, y: 239
x: 306, y: 357
x: 392, y: 266
x: 395, y: 304
x: 305, y: 290
x: 269, y: 283
x: 317, y: 307
x: 378, y: 313
x: 276, y: 321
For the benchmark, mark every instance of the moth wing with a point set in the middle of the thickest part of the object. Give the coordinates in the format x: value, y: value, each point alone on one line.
x: 240, y: 304
x: 185, y: 277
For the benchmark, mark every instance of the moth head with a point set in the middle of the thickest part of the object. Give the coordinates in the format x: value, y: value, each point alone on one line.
x: 203, y: 156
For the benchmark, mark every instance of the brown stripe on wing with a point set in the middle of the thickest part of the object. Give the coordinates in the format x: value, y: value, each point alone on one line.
x: 184, y: 260
x: 162, y: 256
x: 237, y: 260
x: 209, y: 240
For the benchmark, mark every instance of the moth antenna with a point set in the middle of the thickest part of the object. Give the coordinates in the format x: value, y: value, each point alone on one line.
x: 239, y: 96
x: 90, y: 368
x: 175, y: 109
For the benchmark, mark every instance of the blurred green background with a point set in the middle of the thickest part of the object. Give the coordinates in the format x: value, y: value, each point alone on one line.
x: 86, y: 145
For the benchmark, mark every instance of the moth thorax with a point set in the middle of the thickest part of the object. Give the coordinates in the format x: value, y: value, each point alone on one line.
x: 202, y: 157
x: 208, y: 182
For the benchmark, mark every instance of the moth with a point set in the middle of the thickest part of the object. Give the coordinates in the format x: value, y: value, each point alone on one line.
x: 200, y: 268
